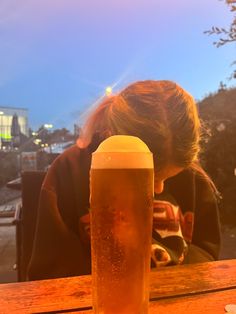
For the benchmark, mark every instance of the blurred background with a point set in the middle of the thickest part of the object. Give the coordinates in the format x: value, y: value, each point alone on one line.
x: 58, y: 58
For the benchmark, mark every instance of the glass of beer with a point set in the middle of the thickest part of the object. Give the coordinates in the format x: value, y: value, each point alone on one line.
x: 121, y: 201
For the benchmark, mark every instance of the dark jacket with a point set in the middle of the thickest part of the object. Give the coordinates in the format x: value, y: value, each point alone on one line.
x: 59, y: 248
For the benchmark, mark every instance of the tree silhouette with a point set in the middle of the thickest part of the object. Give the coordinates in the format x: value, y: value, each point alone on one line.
x: 15, y: 131
x: 218, y: 154
x: 229, y: 34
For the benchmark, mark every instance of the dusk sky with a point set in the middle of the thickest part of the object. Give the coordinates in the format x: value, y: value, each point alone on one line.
x: 58, y: 56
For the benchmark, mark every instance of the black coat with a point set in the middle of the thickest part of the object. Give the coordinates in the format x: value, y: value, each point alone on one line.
x: 59, y: 250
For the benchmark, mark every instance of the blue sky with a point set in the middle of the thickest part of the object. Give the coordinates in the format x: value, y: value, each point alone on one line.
x: 58, y: 56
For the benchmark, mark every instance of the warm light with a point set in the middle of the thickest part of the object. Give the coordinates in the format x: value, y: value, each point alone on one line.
x: 37, y: 141
x: 108, y: 90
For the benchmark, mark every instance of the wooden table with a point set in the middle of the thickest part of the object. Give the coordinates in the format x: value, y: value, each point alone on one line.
x: 198, y: 288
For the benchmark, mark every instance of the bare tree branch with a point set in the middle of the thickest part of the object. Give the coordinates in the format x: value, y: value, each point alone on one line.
x: 229, y: 35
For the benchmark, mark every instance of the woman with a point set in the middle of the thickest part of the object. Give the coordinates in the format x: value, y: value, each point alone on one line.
x: 185, y: 222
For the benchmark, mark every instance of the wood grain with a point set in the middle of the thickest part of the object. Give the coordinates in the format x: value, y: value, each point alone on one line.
x: 178, y: 280
x: 46, y: 295
x: 196, y: 288
x: 210, y: 303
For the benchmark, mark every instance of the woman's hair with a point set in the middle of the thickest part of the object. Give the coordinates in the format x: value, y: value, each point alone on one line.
x: 160, y: 113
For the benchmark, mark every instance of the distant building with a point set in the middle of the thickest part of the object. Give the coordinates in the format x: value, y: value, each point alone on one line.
x: 6, y: 116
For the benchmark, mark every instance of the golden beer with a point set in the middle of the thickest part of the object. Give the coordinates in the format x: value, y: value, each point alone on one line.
x: 121, y: 226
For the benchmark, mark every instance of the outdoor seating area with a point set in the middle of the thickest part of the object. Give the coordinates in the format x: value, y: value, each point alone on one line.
x: 118, y: 157
x: 208, y: 287
x: 17, y: 224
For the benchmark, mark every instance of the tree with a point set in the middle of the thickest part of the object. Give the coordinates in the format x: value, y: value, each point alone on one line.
x: 218, y: 149
x: 43, y: 135
x: 229, y: 35
x: 61, y: 135
x: 15, y: 131
x: 47, y: 137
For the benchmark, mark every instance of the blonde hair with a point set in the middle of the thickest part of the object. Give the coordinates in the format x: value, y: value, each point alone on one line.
x: 160, y: 113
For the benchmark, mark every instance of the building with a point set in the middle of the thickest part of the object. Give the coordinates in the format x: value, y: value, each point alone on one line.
x: 6, y: 116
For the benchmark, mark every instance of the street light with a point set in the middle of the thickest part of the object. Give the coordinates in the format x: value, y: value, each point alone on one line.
x: 37, y: 141
x: 108, y: 91
x: 48, y: 126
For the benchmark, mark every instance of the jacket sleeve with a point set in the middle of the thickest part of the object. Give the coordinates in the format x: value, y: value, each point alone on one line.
x: 206, y: 238
x: 58, y: 250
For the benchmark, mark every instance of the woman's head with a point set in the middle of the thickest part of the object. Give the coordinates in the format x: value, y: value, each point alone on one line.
x: 160, y: 113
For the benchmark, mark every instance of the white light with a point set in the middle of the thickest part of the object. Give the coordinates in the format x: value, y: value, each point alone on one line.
x: 37, y: 141
x: 1, y: 112
x: 108, y: 90
x: 48, y: 126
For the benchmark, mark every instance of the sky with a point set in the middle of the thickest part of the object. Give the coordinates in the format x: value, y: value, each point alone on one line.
x: 58, y: 56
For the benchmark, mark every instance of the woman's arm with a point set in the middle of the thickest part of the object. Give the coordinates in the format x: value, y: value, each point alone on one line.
x: 206, y: 239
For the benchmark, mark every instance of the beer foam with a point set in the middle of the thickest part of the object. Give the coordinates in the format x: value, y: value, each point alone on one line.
x: 122, y: 151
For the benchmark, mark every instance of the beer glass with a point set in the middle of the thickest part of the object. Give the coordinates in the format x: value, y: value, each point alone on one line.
x: 121, y: 201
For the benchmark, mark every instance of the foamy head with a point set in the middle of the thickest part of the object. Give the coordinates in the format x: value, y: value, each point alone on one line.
x: 120, y: 152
